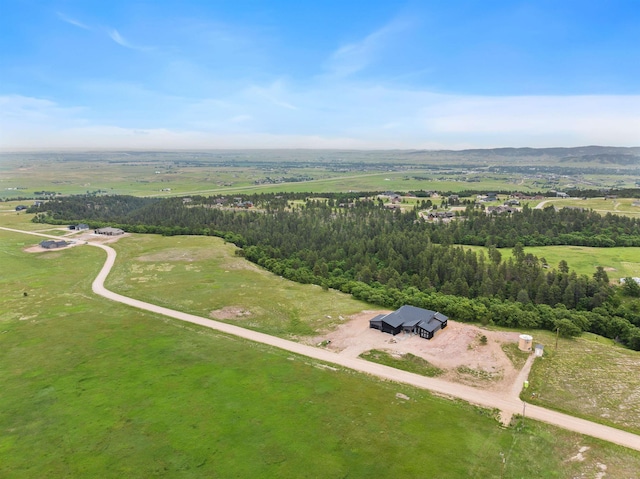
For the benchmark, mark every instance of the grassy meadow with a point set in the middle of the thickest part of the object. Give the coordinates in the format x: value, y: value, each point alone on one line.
x: 619, y: 262
x: 406, y: 362
x: 590, y: 377
x: 201, y: 275
x: 620, y: 206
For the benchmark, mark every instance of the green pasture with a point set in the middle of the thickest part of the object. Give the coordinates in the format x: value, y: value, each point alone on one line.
x: 590, y: 377
x: 188, y: 173
x: 92, y: 388
x: 201, y: 275
x: 138, y: 178
x: 10, y: 218
x: 517, y: 357
x: 620, y: 206
x: 406, y: 362
x: 619, y: 262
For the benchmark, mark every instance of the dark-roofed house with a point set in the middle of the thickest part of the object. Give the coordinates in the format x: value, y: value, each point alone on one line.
x: 53, y: 244
x: 410, y: 319
x: 78, y: 227
x: 109, y: 231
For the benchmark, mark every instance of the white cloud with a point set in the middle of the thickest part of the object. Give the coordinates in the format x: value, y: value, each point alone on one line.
x: 329, y: 117
x: 25, y: 111
x: 72, y: 21
x: 116, y: 37
x: 120, y: 40
x: 585, y: 119
x: 353, y: 57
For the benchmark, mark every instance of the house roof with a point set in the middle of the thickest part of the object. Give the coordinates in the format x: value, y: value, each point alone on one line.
x: 430, y: 326
x: 440, y: 317
x: 410, y: 316
x: 108, y: 230
x: 53, y: 244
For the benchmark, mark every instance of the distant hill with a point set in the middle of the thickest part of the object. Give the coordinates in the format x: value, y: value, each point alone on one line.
x: 581, y: 155
x: 600, y: 157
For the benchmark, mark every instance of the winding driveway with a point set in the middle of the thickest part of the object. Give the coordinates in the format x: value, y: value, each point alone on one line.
x: 508, y: 405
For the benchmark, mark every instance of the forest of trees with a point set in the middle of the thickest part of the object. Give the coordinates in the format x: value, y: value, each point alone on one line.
x: 388, y: 257
x: 545, y: 227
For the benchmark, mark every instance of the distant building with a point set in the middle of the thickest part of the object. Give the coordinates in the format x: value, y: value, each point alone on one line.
x: 78, y: 227
x: 109, y: 231
x: 443, y: 216
x: 499, y: 209
x: 53, y: 244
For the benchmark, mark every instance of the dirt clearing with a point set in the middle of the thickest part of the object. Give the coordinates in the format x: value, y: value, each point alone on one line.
x: 458, y: 349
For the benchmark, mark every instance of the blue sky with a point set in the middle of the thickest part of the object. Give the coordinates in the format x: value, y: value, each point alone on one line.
x: 323, y: 74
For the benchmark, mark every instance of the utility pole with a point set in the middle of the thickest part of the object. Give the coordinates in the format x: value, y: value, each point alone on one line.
x: 557, y: 336
x: 504, y: 460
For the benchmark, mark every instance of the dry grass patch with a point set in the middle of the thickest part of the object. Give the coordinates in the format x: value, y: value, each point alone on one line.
x: 589, y: 377
x: 231, y: 312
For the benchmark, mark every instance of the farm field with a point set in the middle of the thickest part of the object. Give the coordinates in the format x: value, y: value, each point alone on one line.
x: 619, y: 262
x: 103, y: 390
x: 227, y: 172
x: 150, y: 179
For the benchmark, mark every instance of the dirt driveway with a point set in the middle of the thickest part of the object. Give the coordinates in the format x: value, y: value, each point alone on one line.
x: 457, y: 349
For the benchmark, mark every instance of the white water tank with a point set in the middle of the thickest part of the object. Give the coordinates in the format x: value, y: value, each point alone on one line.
x: 525, y: 342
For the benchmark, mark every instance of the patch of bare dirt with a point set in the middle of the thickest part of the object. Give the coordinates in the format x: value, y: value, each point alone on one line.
x: 76, y: 239
x: 230, y: 312
x: 457, y: 349
x: 95, y: 238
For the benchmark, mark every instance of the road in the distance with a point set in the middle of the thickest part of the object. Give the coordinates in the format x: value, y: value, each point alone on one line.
x: 508, y: 405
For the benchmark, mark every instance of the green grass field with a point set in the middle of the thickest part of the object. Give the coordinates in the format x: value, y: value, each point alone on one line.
x: 201, y: 275
x: 619, y: 262
x: 621, y: 206
x: 407, y: 362
x: 92, y: 388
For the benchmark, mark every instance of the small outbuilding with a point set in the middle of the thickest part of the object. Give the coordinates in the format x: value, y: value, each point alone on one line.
x: 79, y: 227
x: 525, y: 342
